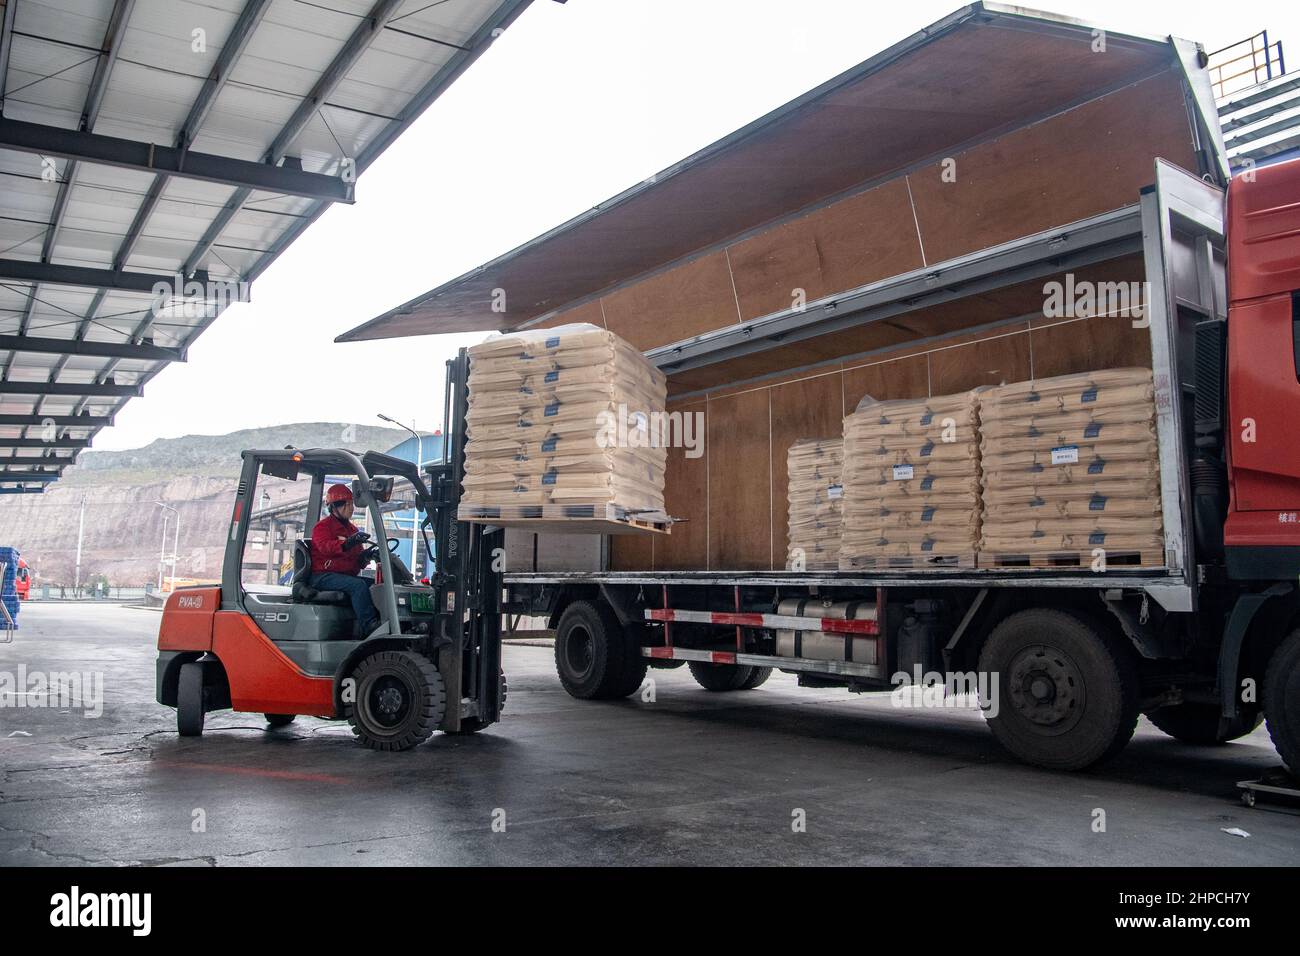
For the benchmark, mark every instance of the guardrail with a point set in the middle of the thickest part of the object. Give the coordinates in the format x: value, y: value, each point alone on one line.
x: 1245, y: 63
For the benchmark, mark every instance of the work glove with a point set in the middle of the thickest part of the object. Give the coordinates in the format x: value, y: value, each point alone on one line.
x: 353, y: 540
x: 370, y: 554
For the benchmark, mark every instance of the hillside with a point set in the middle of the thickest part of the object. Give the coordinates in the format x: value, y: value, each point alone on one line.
x: 120, y: 491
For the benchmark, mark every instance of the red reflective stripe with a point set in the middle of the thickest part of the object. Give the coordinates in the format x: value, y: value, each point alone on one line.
x: 662, y: 614
x: 239, y: 510
x: 661, y: 652
x: 744, y: 619
x: 851, y: 627
x: 723, y: 657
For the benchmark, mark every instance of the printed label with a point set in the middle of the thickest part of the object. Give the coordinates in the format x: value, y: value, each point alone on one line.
x: 1065, y: 455
x: 835, y: 491
x: 902, y: 472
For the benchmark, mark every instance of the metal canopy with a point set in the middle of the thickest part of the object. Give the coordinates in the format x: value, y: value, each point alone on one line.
x: 983, y: 70
x: 183, y: 143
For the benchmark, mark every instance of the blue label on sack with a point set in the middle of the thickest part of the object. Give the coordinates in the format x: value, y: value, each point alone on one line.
x: 548, y: 478
x: 550, y: 443
x: 1037, y: 503
x: 927, y: 545
x: 525, y: 390
x: 925, y: 451
x: 553, y: 341
x: 927, y: 514
x: 1090, y: 395
x: 927, y: 482
x: 551, y: 410
x: 1097, y: 503
x: 1033, y: 397
x: 1034, y: 468
x: 521, y: 458
x: 524, y: 423
x: 1097, y: 537
x: 927, y: 418
x: 1039, y: 534
x: 1093, y: 430
x: 1033, y: 432
x: 552, y: 377
x: 1097, y: 467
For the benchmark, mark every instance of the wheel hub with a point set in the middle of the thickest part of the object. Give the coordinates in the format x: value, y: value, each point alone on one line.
x: 1045, y: 685
x: 390, y: 701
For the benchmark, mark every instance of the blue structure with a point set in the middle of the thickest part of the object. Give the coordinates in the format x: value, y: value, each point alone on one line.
x: 8, y: 585
x: 401, y: 524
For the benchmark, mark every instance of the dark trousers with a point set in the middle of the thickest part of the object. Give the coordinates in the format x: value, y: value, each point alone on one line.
x: 358, y: 592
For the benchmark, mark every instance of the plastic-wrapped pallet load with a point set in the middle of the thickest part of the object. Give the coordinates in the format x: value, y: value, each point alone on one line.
x: 815, y: 495
x: 1071, y: 465
x: 911, y: 483
x: 563, y: 424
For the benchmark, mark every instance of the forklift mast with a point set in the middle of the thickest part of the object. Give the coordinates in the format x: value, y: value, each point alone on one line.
x: 467, y: 560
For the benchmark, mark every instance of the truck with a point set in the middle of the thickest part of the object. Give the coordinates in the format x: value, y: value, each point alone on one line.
x: 895, y: 233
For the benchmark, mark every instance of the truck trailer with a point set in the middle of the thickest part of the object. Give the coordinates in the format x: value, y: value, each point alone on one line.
x: 897, y: 232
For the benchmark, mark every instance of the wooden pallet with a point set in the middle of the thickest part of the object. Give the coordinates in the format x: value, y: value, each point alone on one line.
x: 1072, y: 559
x: 564, y: 519
x: 934, y: 562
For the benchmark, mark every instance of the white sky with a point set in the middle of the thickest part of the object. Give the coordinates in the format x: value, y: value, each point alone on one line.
x: 574, y: 103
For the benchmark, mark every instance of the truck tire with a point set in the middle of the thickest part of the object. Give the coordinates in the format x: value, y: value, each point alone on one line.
x: 472, y: 725
x: 400, y: 699
x: 1067, y: 689
x: 279, y: 720
x: 191, y: 700
x: 595, y: 657
x: 1199, y: 723
x: 758, y: 678
x: 720, y: 677
x: 1282, y: 701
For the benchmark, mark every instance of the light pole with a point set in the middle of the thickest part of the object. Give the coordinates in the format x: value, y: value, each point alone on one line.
x: 81, y: 530
x: 162, y: 557
x: 415, y: 513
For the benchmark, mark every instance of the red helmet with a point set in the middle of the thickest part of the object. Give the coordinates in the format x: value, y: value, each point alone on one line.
x: 338, y: 493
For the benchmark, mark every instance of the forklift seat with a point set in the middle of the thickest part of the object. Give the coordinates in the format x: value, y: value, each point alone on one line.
x: 302, y: 591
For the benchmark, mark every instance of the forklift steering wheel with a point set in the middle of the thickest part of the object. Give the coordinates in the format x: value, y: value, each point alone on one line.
x: 392, y: 545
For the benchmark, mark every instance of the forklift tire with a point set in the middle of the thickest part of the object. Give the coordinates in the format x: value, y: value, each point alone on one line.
x: 1067, y: 689
x: 400, y: 699
x: 719, y: 677
x: 472, y: 725
x: 1282, y: 701
x: 279, y: 720
x: 1199, y: 723
x: 596, y: 658
x: 758, y: 678
x: 190, y: 700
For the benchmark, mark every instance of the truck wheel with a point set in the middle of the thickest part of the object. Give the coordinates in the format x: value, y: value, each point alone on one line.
x: 719, y: 677
x: 758, y: 678
x: 190, y: 700
x: 1199, y: 723
x: 596, y: 658
x: 1282, y: 701
x: 400, y: 700
x: 472, y: 725
x: 1067, y: 690
x: 279, y: 720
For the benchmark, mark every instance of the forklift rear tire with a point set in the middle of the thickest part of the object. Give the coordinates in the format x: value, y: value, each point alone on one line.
x: 720, y: 677
x: 472, y: 725
x: 279, y: 720
x: 1196, y: 723
x: 1067, y: 688
x: 596, y: 658
x: 1282, y: 701
x: 190, y: 700
x: 400, y: 699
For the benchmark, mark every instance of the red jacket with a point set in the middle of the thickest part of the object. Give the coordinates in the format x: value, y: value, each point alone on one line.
x: 327, y: 552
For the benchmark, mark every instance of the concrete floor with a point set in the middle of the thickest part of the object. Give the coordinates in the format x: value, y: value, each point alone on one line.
x: 694, y: 778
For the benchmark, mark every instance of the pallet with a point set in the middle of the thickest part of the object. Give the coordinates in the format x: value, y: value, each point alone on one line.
x: 1072, y: 559
x: 911, y: 562
x: 564, y: 519
x: 1276, y: 783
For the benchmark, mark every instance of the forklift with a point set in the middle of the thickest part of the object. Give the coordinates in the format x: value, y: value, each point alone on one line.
x: 434, y: 663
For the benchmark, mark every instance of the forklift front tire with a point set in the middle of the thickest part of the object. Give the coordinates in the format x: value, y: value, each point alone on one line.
x: 279, y: 720
x: 190, y: 700
x: 400, y: 699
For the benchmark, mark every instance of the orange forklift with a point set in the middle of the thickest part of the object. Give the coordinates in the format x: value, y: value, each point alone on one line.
x: 433, y: 664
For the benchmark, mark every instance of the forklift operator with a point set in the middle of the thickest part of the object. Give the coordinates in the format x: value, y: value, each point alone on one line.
x: 339, y: 552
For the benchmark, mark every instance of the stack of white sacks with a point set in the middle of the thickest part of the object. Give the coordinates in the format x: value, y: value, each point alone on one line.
x: 561, y: 424
x: 1071, y: 465
x: 815, y: 497
x: 911, y: 483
